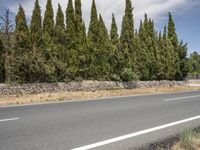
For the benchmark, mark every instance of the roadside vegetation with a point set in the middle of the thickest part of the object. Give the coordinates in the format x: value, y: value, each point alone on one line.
x: 194, y: 63
x: 60, y: 50
x: 85, y: 95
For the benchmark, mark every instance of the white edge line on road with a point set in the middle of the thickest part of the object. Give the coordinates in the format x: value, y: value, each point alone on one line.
x: 104, y: 98
x: 179, y: 98
x: 102, y: 143
x: 10, y: 119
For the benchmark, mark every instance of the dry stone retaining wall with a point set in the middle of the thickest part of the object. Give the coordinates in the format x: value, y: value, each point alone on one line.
x: 37, y: 88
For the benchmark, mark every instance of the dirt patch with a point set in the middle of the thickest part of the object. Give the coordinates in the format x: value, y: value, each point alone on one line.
x: 62, y: 96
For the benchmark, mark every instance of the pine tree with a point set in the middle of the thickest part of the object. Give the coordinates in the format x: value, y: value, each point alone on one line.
x: 48, y: 23
x: 36, y: 26
x: 2, y: 62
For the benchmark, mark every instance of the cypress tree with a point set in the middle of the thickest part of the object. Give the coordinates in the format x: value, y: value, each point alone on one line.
x: 21, y: 30
x: 103, y: 52
x: 143, y: 59
x: 79, y: 23
x: 92, y: 45
x: 114, y: 32
x: 71, y: 38
x: 71, y: 43
x: 172, y: 36
x: 115, y: 53
x: 93, y: 26
x: 48, y: 23
x: 36, y: 26
x: 18, y: 71
x: 126, y: 39
x: 2, y: 62
x: 81, y: 39
x: 60, y: 27
x: 59, y: 46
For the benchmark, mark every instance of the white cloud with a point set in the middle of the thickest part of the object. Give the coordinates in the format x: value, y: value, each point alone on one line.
x: 154, y: 8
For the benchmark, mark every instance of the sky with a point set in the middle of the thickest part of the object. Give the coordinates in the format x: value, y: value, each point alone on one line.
x: 185, y: 12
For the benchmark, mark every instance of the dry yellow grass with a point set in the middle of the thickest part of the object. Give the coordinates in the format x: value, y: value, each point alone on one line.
x: 61, y: 96
x: 195, y: 144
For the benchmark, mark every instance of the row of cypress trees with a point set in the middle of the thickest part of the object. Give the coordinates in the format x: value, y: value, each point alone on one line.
x: 60, y: 50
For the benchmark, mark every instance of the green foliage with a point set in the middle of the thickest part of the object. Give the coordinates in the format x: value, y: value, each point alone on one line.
x: 36, y: 26
x: 127, y: 74
x: 194, y: 63
x: 115, y: 53
x: 126, y: 38
x: 45, y: 52
x: 48, y: 23
x: 114, y: 32
x: 60, y: 27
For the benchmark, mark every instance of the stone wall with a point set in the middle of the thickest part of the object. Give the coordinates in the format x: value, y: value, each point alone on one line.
x: 37, y: 88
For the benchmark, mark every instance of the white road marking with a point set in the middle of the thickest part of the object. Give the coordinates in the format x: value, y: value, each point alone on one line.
x: 135, y: 134
x: 178, y: 98
x: 10, y: 119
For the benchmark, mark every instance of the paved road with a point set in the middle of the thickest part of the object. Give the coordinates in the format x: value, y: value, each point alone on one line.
x: 117, y: 123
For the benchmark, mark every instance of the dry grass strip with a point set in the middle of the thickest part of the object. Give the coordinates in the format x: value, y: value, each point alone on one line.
x: 61, y: 96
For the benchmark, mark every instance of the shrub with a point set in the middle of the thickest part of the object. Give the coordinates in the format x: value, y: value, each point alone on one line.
x: 115, y: 77
x: 127, y: 74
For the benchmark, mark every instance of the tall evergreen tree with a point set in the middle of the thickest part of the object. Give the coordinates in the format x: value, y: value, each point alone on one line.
x: 114, y: 32
x: 48, y: 23
x: 60, y: 27
x: 18, y: 71
x: 81, y: 39
x: 21, y: 30
x: 79, y: 23
x: 172, y: 36
x: 92, y: 41
x: 115, y: 53
x: 71, y: 38
x: 93, y: 26
x: 126, y: 39
x: 103, y: 52
x: 180, y: 49
x: 36, y: 26
x: 143, y: 59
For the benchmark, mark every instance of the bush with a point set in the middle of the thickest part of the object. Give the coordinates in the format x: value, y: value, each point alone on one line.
x: 115, y: 77
x: 127, y: 74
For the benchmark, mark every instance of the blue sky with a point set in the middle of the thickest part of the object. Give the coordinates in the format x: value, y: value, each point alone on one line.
x: 186, y: 14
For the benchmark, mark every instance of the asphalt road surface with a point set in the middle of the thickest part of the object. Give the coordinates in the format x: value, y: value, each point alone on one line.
x: 123, y: 123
